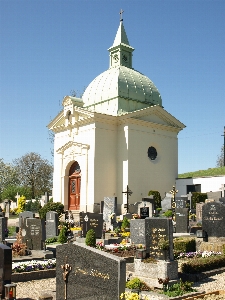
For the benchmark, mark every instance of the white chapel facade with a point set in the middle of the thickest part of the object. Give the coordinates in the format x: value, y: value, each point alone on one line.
x: 117, y: 134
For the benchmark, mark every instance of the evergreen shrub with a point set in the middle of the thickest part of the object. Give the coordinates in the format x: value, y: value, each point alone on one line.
x: 202, y: 264
x: 90, y: 238
x: 51, y: 206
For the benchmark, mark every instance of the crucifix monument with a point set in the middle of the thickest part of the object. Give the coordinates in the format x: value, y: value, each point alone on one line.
x: 129, y: 193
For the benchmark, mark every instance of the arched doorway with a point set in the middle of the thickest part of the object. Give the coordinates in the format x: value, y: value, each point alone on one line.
x: 74, y: 187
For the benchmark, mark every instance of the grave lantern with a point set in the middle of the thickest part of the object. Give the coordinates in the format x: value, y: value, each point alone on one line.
x: 10, y: 291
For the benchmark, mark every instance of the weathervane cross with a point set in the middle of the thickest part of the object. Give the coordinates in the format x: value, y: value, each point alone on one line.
x: 121, y: 15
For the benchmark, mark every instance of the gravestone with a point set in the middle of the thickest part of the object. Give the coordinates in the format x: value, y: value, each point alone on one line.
x: 33, y: 233
x: 91, y: 221
x: 214, y: 195
x: 144, y: 212
x: 2, y: 229
x: 52, y: 222
x: 109, y: 207
x: 199, y: 211
x: 182, y: 220
x: 147, y: 200
x: 7, y: 208
x: 223, y: 190
x: 166, y: 202
x: 222, y: 200
x: 92, y: 274
x: 5, y: 267
x: 213, y: 219
x: 181, y: 202
x: 24, y: 215
x: 149, y: 231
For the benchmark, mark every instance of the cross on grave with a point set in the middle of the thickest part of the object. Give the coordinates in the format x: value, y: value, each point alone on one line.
x: 66, y: 270
x: 17, y: 198
x: 189, y: 195
x: 121, y: 15
x: 174, y: 192
x: 223, y: 189
x: 129, y: 193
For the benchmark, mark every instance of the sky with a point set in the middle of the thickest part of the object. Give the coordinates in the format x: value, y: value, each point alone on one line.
x: 49, y: 48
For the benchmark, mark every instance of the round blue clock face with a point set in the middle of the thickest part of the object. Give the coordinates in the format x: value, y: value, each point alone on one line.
x: 152, y: 153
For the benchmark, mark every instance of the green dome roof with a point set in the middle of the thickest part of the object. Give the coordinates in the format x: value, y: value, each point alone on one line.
x: 120, y: 89
x: 121, y: 82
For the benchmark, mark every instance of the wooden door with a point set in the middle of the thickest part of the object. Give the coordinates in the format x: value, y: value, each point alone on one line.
x: 74, y: 187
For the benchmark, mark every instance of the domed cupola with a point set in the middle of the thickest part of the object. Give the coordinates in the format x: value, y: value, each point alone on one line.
x: 120, y: 89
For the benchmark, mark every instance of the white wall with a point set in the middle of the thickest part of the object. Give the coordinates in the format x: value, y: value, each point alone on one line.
x: 208, y: 184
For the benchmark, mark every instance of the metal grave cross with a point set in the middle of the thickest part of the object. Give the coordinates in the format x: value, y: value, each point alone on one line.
x: 66, y: 270
x: 129, y: 193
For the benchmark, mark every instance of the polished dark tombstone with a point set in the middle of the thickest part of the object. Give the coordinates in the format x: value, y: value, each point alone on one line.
x: 24, y: 215
x: 91, y: 221
x: 181, y: 202
x: 5, y: 225
x: 5, y: 267
x: 149, y: 232
x: 182, y: 220
x: 52, y: 222
x: 144, y: 212
x: 92, y: 274
x: 2, y: 229
x: 213, y: 219
x: 222, y: 200
x: 33, y: 233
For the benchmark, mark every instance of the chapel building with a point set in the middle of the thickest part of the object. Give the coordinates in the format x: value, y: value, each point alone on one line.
x: 117, y: 134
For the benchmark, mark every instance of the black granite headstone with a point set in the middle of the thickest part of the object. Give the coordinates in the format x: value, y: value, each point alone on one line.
x: 52, y: 222
x: 149, y: 232
x: 144, y: 212
x: 24, y: 215
x: 93, y: 274
x: 213, y: 219
x: 5, y: 267
x: 2, y: 229
x: 181, y: 202
x: 222, y: 200
x: 33, y: 233
x: 182, y: 220
x: 91, y: 221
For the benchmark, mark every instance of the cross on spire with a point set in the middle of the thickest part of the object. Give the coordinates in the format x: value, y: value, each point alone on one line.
x: 121, y: 15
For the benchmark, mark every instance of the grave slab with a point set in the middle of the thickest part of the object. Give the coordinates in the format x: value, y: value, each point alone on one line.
x: 5, y: 267
x: 93, y: 274
x: 213, y: 219
x: 52, y: 222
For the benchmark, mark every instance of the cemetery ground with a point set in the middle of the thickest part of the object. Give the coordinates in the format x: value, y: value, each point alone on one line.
x: 33, y: 289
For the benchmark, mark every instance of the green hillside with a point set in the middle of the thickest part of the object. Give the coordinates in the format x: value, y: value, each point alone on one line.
x: 202, y: 173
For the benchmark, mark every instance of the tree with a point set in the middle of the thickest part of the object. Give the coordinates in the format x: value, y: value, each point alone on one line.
x: 157, y: 198
x: 11, y: 191
x: 34, y: 172
x: 8, y: 176
x: 220, y: 158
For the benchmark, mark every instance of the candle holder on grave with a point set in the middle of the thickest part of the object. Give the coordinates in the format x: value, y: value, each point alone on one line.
x: 10, y: 291
x: 140, y: 253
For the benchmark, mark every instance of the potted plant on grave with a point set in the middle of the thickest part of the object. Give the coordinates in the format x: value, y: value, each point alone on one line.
x: 164, y: 246
x: 125, y: 224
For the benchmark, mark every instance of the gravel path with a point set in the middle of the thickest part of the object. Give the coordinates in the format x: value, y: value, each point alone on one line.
x: 31, y: 290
